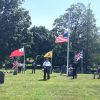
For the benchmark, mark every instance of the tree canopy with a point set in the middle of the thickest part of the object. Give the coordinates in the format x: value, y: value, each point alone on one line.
x: 83, y: 31
x: 15, y: 32
x: 14, y: 24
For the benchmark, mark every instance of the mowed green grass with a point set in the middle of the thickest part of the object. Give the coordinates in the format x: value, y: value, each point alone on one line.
x: 31, y: 87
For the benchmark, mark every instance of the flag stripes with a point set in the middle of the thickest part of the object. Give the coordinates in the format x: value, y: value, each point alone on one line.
x: 78, y: 56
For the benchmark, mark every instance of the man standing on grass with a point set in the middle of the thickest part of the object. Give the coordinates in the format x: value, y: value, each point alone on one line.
x: 98, y: 71
x: 74, y: 70
x: 46, y: 66
x: 33, y: 67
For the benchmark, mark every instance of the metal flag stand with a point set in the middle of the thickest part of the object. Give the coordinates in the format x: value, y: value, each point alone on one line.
x: 68, y: 30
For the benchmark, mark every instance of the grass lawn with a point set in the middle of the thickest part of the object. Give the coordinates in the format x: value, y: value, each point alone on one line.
x: 31, y: 87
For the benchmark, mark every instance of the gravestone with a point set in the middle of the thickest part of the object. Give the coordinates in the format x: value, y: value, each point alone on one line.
x: 2, y: 75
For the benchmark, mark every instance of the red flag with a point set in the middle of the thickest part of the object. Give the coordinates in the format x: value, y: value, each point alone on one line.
x: 62, y: 38
x: 17, y: 53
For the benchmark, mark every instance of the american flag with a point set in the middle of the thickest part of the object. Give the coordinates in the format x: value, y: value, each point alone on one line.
x: 15, y: 64
x: 78, y: 56
x: 62, y: 38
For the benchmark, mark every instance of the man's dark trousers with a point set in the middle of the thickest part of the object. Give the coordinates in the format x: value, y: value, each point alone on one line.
x: 33, y: 70
x: 74, y: 73
x: 46, y: 73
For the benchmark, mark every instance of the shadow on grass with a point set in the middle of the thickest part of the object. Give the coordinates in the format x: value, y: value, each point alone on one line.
x: 73, y: 78
x: 54, y: 76
x: 42, y: 80
x: 63, y: 75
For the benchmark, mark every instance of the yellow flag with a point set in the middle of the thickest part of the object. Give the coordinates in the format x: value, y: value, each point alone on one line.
x: 48, y: 55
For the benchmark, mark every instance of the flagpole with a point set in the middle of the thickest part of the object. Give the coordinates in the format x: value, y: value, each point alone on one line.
x: 24, y: 54
x: 67, y: 55
x: 82, y: 63
x: 68, y: 45
x: 51, y: 60
x: 23, y: 64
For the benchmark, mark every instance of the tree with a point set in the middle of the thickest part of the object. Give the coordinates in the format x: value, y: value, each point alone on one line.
x: 14, y: 24
x: 40, y: 40
x: 83, y: 28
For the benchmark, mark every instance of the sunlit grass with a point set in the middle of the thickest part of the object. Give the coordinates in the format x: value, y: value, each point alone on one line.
x: 31, y: 87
